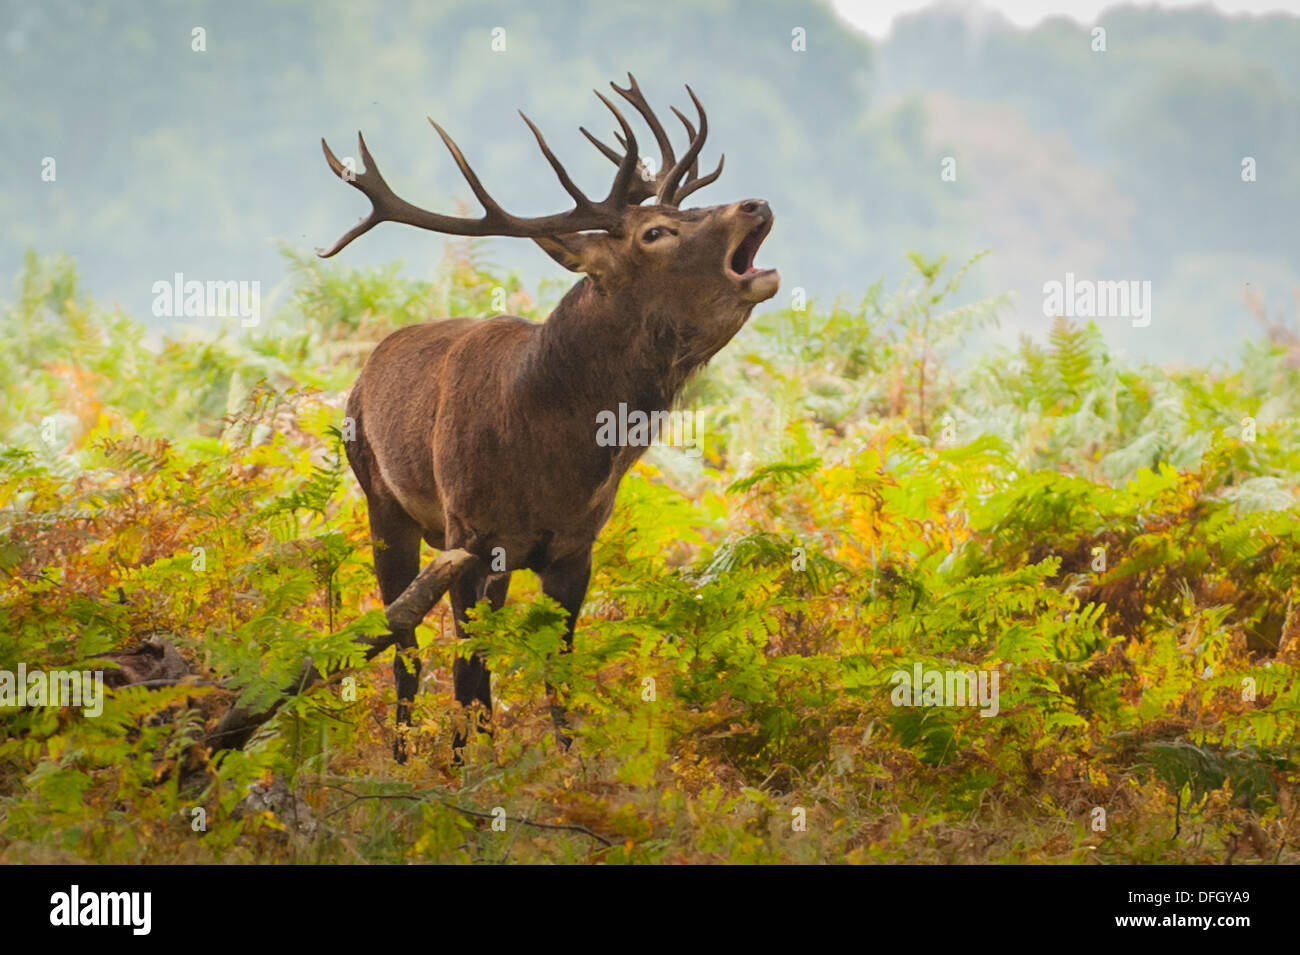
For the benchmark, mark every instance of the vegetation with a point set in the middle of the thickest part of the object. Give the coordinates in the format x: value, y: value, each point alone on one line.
x: 1119, y: 543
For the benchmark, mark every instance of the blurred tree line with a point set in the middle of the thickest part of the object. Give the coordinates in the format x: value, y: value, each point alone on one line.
x: 186, y: 139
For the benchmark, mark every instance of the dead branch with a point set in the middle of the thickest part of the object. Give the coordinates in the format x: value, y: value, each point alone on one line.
x: 404, y: 613
x: 465, y: 810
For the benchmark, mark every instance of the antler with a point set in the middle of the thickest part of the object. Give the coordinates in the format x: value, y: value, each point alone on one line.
x: 387, y: 206
x: 666, y: 187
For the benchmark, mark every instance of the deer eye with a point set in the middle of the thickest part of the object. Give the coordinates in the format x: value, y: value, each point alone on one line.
x: 656, y: 233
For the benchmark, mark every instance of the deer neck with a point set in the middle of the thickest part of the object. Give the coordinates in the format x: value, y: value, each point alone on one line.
x: 597, y: 351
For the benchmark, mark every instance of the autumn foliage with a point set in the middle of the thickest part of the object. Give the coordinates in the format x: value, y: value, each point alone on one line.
x: 1119, y: 542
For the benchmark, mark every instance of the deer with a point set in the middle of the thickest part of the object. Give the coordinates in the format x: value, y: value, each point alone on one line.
x: 480, y: 433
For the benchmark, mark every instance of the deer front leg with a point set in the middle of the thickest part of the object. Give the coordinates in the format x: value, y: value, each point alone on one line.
x: 470, y: 678
x: 397, y: 561
x: 566, y: 582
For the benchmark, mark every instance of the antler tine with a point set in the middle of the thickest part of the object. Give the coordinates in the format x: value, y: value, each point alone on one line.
x: 698, y: 183
x: 485, y: 200
x: 690, y: 138
x: 634, y: 96
x: 643, y: 186
x: 370, y: 182
x: 668, y: 186
x: 579, y: 197
x: 610, y: 154
x: 693, y: 180
x: 626, y: 175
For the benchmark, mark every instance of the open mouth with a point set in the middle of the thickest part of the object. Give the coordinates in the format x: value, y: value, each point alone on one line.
x: 740, y: 262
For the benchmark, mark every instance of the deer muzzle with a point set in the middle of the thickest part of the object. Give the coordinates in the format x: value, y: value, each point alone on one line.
x: 754, y: 223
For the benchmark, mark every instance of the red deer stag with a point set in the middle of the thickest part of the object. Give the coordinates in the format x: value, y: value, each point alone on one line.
x: 481, y: 433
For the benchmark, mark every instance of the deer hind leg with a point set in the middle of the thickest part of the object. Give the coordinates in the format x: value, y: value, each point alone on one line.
x: 397, y: 561
x: 566, y: 583
x: 470, y: 677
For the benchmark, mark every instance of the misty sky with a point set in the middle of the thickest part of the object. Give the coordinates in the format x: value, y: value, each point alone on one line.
x: 875, y: 16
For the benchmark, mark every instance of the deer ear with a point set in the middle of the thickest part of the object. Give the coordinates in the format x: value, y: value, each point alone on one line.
x: 577, y: 251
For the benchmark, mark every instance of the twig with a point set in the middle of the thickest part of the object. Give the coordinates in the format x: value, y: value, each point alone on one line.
x: 179, y: 681
x: 412, y: 797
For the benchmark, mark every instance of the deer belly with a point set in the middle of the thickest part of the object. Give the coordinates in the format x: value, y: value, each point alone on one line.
x: 418, y: 498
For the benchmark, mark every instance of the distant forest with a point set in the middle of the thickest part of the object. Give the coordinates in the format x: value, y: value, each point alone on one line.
x: 1122, y: 164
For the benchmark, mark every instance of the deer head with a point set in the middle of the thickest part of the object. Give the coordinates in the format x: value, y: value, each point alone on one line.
x: 653, y: 258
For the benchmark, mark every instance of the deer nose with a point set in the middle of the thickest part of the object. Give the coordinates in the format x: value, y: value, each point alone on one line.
x: 757, y: 208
